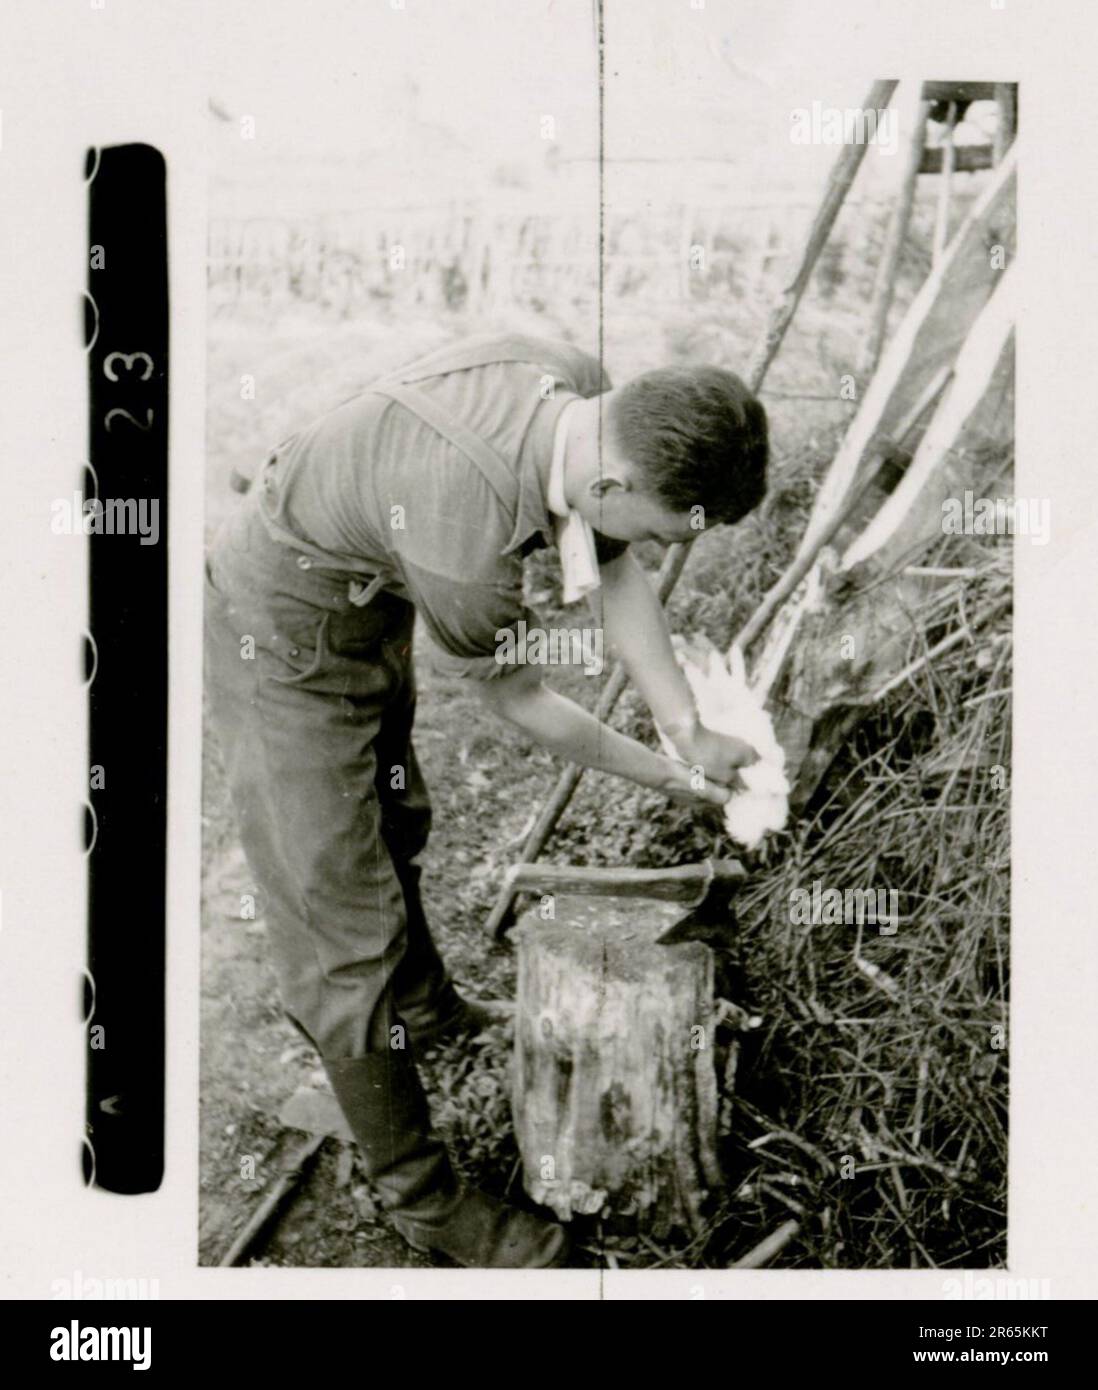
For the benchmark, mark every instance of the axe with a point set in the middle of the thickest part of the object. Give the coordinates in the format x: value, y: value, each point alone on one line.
x: 705, y: 890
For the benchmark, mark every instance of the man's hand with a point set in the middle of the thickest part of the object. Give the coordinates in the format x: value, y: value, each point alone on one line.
x: 636, y: 627
x: 719, y: 755
x: 678, y: 787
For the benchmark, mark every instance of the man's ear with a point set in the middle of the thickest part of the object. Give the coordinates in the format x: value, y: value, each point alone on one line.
x: 599, y: 487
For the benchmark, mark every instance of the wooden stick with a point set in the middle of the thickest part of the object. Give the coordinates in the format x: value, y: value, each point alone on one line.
x: 898, y: 224
x: 1005, y: 93
x: 273, y: 1199
x: 838, y: 185
x: 958, y: 91
x: 685, y: 883
x: 803, y: 563
x: 930, y: 335
x: 967, y: 159
x: 842, y: 176
x: 977, y: 371
x: 766, y: 1249
x: 941, y: 221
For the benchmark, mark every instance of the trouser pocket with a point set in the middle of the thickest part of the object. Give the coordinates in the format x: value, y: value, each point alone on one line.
x: 305, y: 660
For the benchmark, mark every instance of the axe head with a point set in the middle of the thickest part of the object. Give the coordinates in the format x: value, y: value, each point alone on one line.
x: 712, y: 919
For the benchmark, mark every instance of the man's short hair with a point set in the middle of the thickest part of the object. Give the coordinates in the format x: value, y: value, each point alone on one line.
x: 698, y: 437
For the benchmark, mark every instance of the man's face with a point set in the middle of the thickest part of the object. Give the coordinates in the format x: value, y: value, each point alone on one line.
x: 617, y: 508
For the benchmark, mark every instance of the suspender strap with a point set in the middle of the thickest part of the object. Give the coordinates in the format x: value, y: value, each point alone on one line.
x: 483, y: 355
x: 498, y: 476
x: 495, y: 471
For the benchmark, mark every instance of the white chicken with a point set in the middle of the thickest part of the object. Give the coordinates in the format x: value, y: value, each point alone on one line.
x: 727, y: 705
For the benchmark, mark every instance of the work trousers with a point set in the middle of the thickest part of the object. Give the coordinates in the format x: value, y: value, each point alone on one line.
x: 312, y: 698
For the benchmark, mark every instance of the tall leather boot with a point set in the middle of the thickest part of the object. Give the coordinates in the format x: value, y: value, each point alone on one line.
x: 430, y: 1006
x: 383, y: 1100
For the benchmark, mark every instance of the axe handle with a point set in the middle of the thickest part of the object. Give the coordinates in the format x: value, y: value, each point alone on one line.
x: 686, y: 883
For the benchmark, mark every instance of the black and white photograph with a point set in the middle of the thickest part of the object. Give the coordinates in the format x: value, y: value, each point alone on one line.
x: 608, y: 654
x: 547, y: 739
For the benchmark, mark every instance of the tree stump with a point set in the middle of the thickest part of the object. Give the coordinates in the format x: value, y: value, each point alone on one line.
x: 615, y: 1088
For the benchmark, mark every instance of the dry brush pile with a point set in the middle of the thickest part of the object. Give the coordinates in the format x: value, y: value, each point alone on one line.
x: 875, y: 1105
x: 865, y: 1070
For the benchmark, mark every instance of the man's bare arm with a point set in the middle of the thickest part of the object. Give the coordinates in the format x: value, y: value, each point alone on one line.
x: 635, y: 627
x: 559, y: 724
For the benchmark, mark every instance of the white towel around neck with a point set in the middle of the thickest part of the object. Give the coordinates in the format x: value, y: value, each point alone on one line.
x: 575, y: 538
